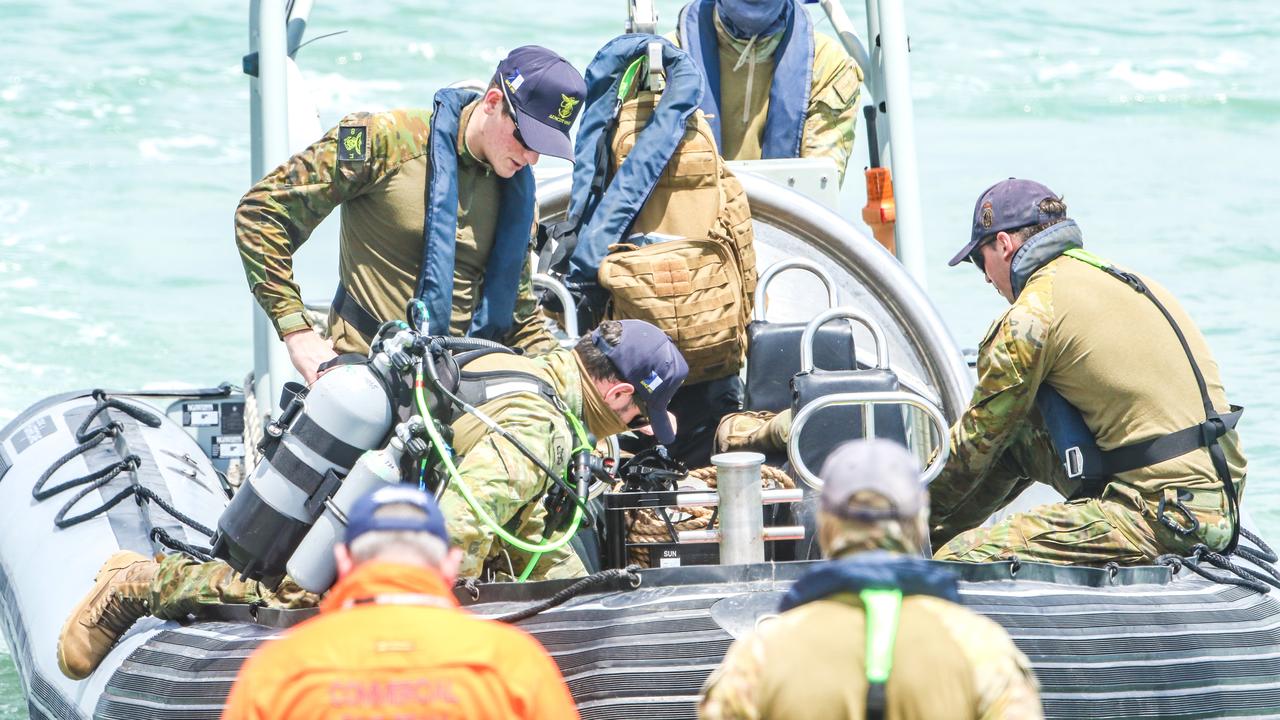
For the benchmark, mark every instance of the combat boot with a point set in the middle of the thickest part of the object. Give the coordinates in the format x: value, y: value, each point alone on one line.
x: 753, y: 430
x: 120, y: 596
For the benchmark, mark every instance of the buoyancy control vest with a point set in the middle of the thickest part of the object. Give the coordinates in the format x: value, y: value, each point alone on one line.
x: 1073, y: 442
x: 494, y: 314
x: 792, y: 75
x: 661, y: 224
x: 880, y: 580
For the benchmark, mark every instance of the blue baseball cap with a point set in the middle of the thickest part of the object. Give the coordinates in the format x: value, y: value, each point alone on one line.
x: 546, y: 93
x: 361, y: 519
x: 646, y: 358
x: 1007, y: 205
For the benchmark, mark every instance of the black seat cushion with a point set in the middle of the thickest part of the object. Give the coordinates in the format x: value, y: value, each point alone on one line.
x: 773, y: 357
x: 834, y: 425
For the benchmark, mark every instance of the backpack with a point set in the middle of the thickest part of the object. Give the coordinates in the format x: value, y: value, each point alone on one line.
x: 689, y: 265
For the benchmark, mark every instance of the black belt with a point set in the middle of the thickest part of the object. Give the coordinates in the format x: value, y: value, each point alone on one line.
x: 354, y: 314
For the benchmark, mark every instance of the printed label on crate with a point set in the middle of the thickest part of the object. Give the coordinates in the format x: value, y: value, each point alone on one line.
x: 227, y: 446
x: 670, y: 558
x: 200, y: 415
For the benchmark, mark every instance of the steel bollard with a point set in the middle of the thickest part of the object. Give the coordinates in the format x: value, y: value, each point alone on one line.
x: 741, y: 507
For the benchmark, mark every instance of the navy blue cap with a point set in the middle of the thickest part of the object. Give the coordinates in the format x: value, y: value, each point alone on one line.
x: 361, y: 519
x: 546, y: 93
x: 646, y: 358
x: 1007, y: 205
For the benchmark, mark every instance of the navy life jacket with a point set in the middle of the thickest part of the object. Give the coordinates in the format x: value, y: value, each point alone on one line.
x: 601, y: 216
x: 494, y: 314
x: 792, y: 75
x: 1073, y: 442
x: 880, y: 580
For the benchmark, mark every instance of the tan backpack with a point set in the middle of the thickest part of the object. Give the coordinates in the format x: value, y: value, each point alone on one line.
x: 698, y: 286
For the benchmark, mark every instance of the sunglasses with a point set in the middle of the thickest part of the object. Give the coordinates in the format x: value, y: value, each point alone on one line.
x: 511, y: 113
x: 975, y: 256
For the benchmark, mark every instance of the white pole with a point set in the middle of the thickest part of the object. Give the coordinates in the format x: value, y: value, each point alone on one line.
x: 909, y: 229
x: 269, y: 125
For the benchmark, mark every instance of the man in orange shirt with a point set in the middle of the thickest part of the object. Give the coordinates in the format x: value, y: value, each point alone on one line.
x: 391, y: 641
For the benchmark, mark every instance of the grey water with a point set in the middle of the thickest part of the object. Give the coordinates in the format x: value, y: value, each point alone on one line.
x: 124, y: 149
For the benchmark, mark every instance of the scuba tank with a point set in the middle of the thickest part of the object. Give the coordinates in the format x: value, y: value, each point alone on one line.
x: 313, y: 566
x: 307, y: 454
x: 320, y: 434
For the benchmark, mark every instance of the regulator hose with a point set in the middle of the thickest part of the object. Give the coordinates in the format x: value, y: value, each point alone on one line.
x: 485, y: 517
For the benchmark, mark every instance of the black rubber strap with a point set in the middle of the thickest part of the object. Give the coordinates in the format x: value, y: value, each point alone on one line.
x: 1214, y: 425
x: 1165, y: 447
x: 355, y: 314
x: 293, y: 468
x: 876, y: 701
x: 324, y: 443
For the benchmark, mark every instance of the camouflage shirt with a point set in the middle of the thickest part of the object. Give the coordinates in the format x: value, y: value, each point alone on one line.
x: 833, y: 98
x: 376, y: 167
x: 1112, y: 355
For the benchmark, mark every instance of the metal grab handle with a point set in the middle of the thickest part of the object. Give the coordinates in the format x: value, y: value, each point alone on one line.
x: 799, y: 263
x: 557, y: 288
x: 867, y: 400
x: 848, y: 313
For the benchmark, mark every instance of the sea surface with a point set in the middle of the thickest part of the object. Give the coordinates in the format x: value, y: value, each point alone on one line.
x: 124, y: 149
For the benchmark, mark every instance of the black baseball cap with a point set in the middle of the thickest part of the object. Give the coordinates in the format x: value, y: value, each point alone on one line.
x: 646, y: 358
x: 546, y: 93
x: 362, y: 517
x: 1007, y: 205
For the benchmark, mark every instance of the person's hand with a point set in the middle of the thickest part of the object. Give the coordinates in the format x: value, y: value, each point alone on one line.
x: 306, y: 351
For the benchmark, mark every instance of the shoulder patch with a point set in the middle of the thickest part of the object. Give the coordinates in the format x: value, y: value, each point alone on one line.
x: 353, y: 143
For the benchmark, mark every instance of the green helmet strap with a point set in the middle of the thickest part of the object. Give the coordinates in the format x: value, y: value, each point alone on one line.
x: 882, y: 610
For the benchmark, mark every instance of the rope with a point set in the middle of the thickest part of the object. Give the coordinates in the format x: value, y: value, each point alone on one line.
x: 614, y: 579
x: 650, y: 525
x: 100, y: 478
x: 164, y: 538
x: 1233, y: 575
x: 252, y: 429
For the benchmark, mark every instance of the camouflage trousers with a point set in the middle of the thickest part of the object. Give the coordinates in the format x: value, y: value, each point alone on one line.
x: 184, y: 587
x: 520, y: 512
x: 1122, y: 526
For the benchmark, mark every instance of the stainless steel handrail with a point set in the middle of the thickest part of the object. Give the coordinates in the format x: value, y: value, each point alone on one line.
x: 767, y: 276
x: 847, y: 313
x: 557, y: 288
x: 867, y: 400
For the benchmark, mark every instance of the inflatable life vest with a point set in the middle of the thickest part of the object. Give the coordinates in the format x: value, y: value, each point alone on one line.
x: 792, y: 75
x: 495, y: 311
x: 1073, y: 442
x: 661, y: 224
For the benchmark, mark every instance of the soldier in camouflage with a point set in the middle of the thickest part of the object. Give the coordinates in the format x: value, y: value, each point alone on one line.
x: 751, y: 71
x: 810, y: 661
x: 378, y: 168
x: 620, y: 376
x: 1111, y: 354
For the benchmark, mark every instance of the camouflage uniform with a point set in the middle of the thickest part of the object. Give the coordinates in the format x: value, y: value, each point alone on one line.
x: 184, y: 586
x: 1111, y: 354
x: 833, y: 98
x: 380, y: 181
x: 508, y: 485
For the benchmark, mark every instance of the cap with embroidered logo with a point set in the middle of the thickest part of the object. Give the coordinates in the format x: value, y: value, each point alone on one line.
x: 1007, y: 205
x: 546, y: 93
x: 647, y: 359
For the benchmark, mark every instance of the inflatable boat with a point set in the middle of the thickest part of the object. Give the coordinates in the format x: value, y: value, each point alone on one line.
x: 86, y: 473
